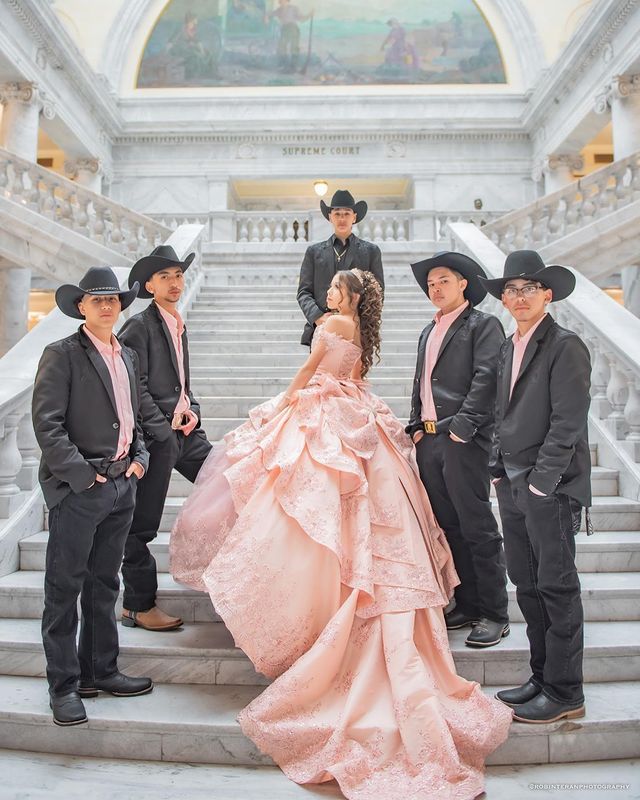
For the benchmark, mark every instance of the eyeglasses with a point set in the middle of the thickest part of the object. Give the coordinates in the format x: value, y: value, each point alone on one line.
x: 526, y: 291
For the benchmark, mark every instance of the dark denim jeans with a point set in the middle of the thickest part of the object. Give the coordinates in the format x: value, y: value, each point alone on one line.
x: 540, y: 547
x: 87, y: 532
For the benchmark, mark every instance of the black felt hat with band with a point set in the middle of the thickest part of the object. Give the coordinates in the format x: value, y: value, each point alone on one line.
x: 467, y: 267
x: 162, y: 257
x: 344, y: 199
x: 97, y: 281
x: 528, y: 264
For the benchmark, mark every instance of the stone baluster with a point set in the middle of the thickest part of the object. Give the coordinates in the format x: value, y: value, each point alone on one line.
x: 401, y: 231
x: 243, y: 230
x: 617, y: 395
x: 600, y: 374
x: 99, y: 224
x: 290, y: 231
x: 116, y: 236
x: 33, y: 196
x: 389, y: 230
x: 10, y: 464
x: 632, y: 409
x: 4, y: 174
x: 267, y: 229
x: 377, y: 230
x: 254, y: 228
x: 27, y: 444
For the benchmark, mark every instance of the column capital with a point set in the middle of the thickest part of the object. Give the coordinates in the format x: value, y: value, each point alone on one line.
x: 19, y: 91
x: 559, y: 161
x: 73, y: 167
x: 618, y: 88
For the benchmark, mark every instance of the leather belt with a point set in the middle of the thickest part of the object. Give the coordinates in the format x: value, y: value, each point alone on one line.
x: 429, y: 425
x: 115, y: 468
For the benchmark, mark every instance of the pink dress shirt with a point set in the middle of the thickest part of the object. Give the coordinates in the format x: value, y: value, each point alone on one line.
x: 112, y: 357
x: 176, y: 329
x: 519, y: 346
x: 442, y: 324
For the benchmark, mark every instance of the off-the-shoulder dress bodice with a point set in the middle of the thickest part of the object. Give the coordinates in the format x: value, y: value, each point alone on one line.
x: 341, y: 355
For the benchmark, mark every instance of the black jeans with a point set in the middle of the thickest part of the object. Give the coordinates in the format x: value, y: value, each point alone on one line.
x: 87, y: 532
x: 456, y: 477
x: 186, y: 454
x: 540, y: 548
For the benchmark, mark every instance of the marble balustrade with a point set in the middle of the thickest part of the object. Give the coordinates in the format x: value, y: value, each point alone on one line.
x: 78, y: 208
x: 579, y: 203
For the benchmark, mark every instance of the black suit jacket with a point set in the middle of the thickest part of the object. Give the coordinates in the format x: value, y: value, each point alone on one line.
x: 147, y: 333
x: 318, y: 268
x: 75, y: 416
x: 463, y: 381
x: 541, y: 432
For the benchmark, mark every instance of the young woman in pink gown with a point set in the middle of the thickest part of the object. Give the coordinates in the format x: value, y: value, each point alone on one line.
x: 313, y: 534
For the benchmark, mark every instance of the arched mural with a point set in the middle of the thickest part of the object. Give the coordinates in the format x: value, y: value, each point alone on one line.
x: 306, y: 43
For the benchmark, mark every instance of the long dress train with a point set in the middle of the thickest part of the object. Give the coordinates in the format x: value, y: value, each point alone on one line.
x: 314, y: 537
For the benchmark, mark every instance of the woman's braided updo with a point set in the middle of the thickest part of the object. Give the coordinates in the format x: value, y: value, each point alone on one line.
x: 363, y: 283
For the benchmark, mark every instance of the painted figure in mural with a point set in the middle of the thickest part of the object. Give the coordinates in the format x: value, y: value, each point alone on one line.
x: 400, y: 53
x: 288, y: 16
x: 314, y: 536
x: 170, y: 423
x: 86, y: 417
x: 451, y: 423
x: 198, y: 61
x: 341, y: 251
x: 542, y: 473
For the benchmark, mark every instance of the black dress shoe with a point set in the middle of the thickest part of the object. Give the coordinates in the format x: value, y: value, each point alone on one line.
x: 543, y: 709
x: 519, y: 695
x: 456, y: 619
x: 486, y: 633
x: 68, y: 709
x: 117, y: 684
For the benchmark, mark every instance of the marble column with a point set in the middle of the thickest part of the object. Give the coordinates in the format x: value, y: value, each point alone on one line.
x: 624, y: 100
x: 558, y: 170
x: 15, y: 285
x: 86, y: 172
x: 20, y: 119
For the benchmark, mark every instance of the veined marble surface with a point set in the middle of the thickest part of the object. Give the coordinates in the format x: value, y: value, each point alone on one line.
x: 36, y: 776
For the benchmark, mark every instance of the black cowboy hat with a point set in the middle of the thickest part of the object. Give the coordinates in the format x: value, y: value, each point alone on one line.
x: 344, y: 199
x: 98, y: 280
x: 467, y: 267
x: 163, y: 257
x: 528, y: 264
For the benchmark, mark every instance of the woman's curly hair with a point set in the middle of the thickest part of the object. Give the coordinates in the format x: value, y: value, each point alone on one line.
x: 358, y: 281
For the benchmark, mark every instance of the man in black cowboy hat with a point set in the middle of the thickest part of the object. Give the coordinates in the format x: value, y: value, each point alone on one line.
x: 542, y: 472
x: 170, y: 422
x: 451, y: 424
x: 343, y: 250
x: 86, y: 420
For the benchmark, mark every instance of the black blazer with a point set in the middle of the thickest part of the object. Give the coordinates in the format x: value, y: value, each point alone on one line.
x: 318, y: 268
x: 147, y: 333
x: 541, y: 432
x: 463, y: 381
x: 75, y: 416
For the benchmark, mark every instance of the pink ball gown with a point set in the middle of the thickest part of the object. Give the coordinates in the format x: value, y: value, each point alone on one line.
x: 315, y: 539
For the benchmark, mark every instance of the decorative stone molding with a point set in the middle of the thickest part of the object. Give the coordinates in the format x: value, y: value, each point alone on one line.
x: 73, y: 166
x: 572, y: 161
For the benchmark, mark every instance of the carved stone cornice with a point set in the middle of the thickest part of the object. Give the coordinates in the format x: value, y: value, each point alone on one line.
x: 620, y: 87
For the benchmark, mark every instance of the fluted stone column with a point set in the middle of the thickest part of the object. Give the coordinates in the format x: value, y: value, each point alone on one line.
x: 85, y: 171
x: 558, y: 170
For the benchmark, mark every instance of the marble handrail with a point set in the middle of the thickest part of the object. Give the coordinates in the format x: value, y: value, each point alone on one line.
x: 557, y: 214
x: 19, y: 452
x: 611, y: 332
x: 78, y: 208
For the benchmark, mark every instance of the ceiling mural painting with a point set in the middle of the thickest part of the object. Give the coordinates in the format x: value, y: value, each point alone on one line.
x: 199, y: 43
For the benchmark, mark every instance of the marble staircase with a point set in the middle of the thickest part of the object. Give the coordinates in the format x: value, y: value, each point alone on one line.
x: 244, y: 336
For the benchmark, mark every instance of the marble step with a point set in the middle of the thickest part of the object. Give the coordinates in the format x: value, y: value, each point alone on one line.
x: 276, y: 359
x: 269, y: 386
x: 220, y: 406
x: 293, y: 323
x: 204, y: 653
x: 208, y: 290
x: 605, y: 596
x: 292, y: 346
x: 197, y: 724
x: 607, y: 551
x: 215, y: 369
x: 247, y: 333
